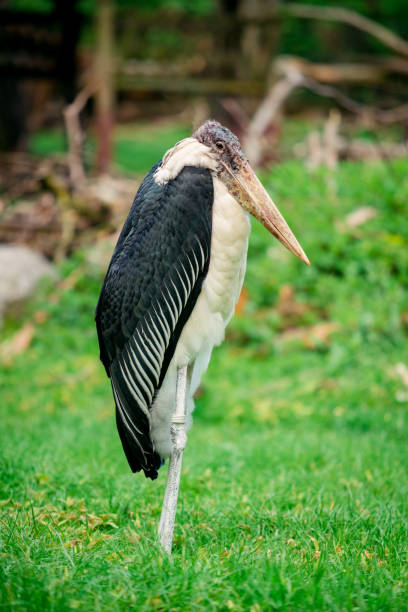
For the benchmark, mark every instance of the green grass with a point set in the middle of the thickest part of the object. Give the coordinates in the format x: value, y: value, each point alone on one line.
x: 138, y: 148
x: 294, y: 488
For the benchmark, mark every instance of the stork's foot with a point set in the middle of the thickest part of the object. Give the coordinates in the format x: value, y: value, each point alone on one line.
x: 178, y: 444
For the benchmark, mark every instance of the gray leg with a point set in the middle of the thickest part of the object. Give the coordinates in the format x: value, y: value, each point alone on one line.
x: 178, y: 444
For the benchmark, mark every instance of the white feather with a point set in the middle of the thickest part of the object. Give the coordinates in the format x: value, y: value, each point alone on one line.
x: 215, y: 305
x: 187, y: 152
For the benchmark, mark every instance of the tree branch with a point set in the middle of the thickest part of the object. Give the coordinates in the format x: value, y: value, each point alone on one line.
x: 293, y: 73
x: 329, y: 13
x: 267, y: 113
x: 392, y: 115
x: 75, y: 137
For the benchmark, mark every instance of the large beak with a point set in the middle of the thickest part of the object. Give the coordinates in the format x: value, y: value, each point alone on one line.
x: 246, y: 188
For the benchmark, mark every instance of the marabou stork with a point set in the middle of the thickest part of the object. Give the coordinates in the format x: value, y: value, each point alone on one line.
x: 172, y: 284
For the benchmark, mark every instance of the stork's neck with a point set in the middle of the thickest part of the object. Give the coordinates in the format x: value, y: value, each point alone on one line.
x: 229, y: 244
x: 187, y: 152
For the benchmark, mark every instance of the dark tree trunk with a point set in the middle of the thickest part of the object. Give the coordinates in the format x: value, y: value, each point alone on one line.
x: 70, y: 23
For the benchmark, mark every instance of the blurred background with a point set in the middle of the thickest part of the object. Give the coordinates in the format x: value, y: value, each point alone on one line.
x: 312, y: 382
x: 93, y: 92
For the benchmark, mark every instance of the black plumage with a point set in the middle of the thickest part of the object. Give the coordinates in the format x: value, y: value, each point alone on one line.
x: 151, y: 287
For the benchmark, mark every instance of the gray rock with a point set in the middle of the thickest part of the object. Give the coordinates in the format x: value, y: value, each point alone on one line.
x: 20, y: 270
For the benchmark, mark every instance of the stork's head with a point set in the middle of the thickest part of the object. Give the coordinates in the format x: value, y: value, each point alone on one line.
x: 241, y: 181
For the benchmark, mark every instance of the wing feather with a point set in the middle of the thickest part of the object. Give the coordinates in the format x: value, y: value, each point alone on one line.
x: 150, y: 290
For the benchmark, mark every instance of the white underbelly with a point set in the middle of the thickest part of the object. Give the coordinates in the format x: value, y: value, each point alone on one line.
x: 213, y: 310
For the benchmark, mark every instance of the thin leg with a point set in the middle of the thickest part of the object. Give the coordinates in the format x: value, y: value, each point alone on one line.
x: 178, y: 444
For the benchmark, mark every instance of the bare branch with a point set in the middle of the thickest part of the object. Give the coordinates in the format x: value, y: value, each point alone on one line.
x: 267, y: 113
x: 75, y: 137
x: 315, y: 153
x: 329, y: 13
x: 366, y: 73
x: 392, y: 115
x: 316, y: 76
x: 292, y: 75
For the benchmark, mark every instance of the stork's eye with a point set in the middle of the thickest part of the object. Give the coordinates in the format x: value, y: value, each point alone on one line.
x: 220, y: 145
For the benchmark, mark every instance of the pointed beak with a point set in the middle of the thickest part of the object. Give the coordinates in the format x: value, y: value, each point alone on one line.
x: 246, y: 188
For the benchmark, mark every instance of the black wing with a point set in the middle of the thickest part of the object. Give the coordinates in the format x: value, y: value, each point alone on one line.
x: 149, y: 292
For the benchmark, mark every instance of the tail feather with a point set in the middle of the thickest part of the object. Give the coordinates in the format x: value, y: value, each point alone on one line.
x: 134, y: 430
x: 133, y: 454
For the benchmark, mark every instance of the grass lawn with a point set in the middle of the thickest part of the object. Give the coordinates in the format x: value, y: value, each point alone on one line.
x: 294, y: 487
